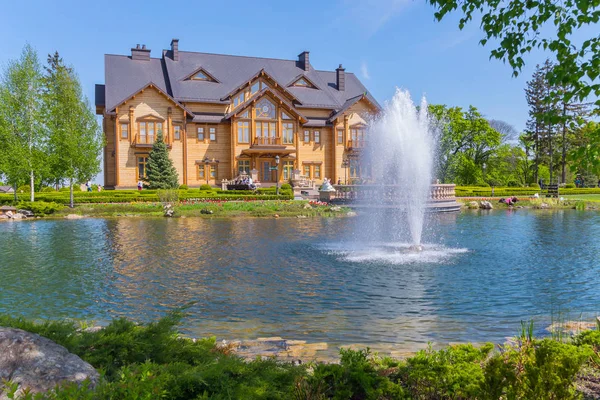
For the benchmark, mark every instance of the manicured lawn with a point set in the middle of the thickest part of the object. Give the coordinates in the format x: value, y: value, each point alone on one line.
x: 585, y: 197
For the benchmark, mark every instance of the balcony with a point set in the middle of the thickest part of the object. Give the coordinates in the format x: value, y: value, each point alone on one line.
x: 266, y: 141
x: 145, y: 141
x: 356, y: 144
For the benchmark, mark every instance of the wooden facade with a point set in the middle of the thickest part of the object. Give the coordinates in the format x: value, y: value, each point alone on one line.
x: 209, y: 142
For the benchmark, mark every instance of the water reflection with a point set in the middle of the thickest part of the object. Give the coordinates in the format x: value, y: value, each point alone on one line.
x: 263, y: 277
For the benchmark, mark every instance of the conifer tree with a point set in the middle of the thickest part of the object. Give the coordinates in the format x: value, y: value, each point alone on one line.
x: 535, y: 93
x: 160, y: 172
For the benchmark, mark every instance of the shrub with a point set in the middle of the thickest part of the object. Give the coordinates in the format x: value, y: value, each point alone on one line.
x: 286, y: 186
x: 48, y: 189
x: 40, y: 207
x: 570, y: 186
x: 183, y: 187
x: 513, y: 183
x: 24, y: 189
x: 534, y: 185
x: 205, y: 186
x: 76, y: 188
x: 167, y: 195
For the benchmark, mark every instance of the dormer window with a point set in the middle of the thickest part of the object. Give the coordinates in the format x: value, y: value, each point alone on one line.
x: 265, y: 109
x: 303, y: 82
x: 202, y: 75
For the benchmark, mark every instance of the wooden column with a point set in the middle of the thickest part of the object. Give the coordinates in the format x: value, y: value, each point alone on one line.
x: 233, y: 142
x: 169, y: 135
x: 298, y: 145
x: 185, y: 139
x: 251, y: 127
x: 115, y: 118
x: 346, y: 129
x: 132, y: 131
x: 334, y: 150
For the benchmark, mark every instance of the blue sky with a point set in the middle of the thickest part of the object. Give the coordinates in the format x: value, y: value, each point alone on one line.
x: 388, y: 43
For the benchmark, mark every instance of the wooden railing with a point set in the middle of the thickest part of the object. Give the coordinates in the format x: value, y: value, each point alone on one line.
x: 266, y: 141
x: 390, y: 193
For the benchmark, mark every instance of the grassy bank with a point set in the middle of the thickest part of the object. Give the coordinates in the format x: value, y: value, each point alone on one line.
x: 153, y: 362
x: 210, y: 209
x: 572, y: 203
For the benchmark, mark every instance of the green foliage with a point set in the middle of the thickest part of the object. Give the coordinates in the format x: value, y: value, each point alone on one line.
x: 167, y: 195
x: 48, y: 189
x: 160, y: 172
x: 40, y: 207
x: 76, y: 188
x: 286, y: 186
x: 570, y: 186
x: 24, y: 189
x: 205, y: 186
x: 513, y: 184
x: 183, y: 187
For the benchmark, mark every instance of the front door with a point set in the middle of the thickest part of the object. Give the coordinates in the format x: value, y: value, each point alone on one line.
x: 266, y: 171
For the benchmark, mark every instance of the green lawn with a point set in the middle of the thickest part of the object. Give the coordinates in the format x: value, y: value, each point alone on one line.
x: 585, y: 197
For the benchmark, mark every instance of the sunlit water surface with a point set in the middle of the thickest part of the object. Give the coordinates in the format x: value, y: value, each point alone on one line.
x: 309, y: 278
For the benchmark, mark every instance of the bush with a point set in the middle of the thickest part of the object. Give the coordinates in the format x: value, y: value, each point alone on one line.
x: 40, y: 207
x: 513, y: 183
x: 167, y: 195
x: 183, y: 187
x: 570, y: 186
x: 76, y: 188
x: 286, y: 186
x: 205, y: 186
x: 24, y: 189
x: 48, y: 189
x: 534, y: 185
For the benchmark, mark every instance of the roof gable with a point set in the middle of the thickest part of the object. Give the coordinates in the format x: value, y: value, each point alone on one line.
x: 273, y: 96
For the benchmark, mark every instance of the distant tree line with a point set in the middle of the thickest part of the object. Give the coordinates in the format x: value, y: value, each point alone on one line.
x: 48, y: 132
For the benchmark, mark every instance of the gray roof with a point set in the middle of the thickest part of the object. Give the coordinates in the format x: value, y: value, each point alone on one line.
x: 125, y: 77
x: 6, y: 189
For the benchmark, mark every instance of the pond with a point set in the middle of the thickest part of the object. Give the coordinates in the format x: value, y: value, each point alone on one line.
x: 307, y: 279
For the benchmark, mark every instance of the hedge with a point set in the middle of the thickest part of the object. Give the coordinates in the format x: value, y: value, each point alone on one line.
x: 473, y: 191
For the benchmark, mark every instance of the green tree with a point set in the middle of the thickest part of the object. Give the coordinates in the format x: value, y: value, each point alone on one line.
x: 466, y: 141
x: 75, y: 141
x: 585, y: 154
x: 21, y: 108
x: 160, y: 172
x: 517, y: 28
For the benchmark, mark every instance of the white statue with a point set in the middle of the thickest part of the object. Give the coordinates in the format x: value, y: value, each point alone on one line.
x: 326, y: 187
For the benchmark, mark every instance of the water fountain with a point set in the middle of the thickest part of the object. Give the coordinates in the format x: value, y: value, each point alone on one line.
x: 401, y: 155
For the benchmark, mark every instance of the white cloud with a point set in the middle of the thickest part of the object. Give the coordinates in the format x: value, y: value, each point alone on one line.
x: 364, y: 70
x: 371, y: 15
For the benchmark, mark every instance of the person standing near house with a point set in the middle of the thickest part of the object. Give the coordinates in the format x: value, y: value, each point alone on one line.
x: 140, y: 185
x: 88, y: 185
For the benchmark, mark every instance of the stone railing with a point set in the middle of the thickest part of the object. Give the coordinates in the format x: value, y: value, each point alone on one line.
x: 390, y: 193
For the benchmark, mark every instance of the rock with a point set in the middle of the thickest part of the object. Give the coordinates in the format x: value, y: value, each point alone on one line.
x: 73, y: 216
x: 276, y: 215
x: 26, y: 213
x: 473, y: 205
x: 486, y: 205
x: 18, y: 216
x: 336, y: 208
x: 2, y: 216
x: 351, y: 214
x: 9, y: 214
x: 544, y: 206
x: 38, y: 364
x: 168, y: 210
x: 206, y: 211
x: 301, y: 216
x: 307, y: 206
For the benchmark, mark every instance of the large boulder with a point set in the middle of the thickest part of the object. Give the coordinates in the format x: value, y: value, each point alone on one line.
x: 486, y: 205
x: 39, y: 364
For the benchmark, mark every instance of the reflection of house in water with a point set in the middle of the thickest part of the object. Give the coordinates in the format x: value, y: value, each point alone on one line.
x: 222, y: 115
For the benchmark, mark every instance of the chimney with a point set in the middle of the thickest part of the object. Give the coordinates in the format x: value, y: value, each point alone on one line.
x: 175, y: 49
x: 340, y: 78
x: 140, y: 53
x: 304, y: 60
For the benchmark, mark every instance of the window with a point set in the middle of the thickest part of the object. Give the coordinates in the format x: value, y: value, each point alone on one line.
x: 354, y: 169
x: 306, y: 136
x: 239, y: 99
x: 317, y: 171
x: 201, y: 174
x: 124, y: 131
x: 288, y: 167
x: 141, y: 170
x: 285, y: 116
x: 265, y: 109
x: 244, y: 167
x: 307, y: 170
x: 243, y: 136
x: 301, y: 82
x: 254, y: 88
x: 340, y: 136
x: 202, y: 76
x: 200, y: 135
x: 212, y: 134
x: 147, y: 131
x: 177, y: 132
x: 288, y: 132
x: 317, y: 137
x: 142, y: 131
x: 245, y: 114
